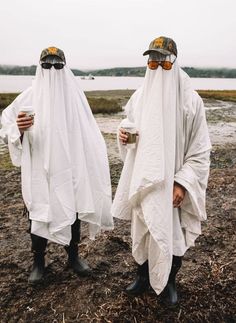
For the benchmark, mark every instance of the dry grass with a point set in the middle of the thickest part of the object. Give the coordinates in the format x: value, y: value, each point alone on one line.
x: 103, y: 105
x: 224, y: 95
x: 5, y: 162
x: 99, y: 103
x: 112, y: 101
x: 6, y: 99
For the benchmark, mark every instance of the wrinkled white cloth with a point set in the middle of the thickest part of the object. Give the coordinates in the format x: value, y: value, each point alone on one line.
x: 63, y: 158
x: 173, y: 145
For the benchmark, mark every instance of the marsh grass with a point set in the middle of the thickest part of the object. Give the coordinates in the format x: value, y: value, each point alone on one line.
x: 99, y: 102
x: 5, y: 162
x: 224, y: 95
x: 6, y: 99
x: 103, y: 105
x: 112, y: 101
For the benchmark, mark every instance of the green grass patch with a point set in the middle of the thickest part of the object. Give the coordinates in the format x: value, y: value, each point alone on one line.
x: 6, y: 99
x: 5, y: 162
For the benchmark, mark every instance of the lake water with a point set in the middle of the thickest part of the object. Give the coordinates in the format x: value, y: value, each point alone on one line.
x: 12, y: 83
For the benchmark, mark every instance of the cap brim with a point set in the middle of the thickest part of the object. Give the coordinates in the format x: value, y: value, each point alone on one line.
x: 159, y: 50
x: 63, y: 60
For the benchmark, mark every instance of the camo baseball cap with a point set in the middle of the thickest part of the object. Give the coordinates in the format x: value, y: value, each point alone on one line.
x: 54, y: 51
x: 162, y: 45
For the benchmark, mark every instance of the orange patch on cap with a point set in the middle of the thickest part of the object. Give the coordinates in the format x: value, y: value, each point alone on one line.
x: 159, y: 42
x: 52, y: 50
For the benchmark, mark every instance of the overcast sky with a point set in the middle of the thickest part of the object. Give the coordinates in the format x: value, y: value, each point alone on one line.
x: 107, y: 33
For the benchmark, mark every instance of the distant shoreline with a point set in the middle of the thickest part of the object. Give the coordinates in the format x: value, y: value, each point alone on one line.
x: 125, y: 71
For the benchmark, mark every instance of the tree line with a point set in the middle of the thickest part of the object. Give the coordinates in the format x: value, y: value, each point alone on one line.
x: 125, y: 71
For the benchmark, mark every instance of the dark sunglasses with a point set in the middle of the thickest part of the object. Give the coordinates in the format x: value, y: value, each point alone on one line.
x: 57, y: 66
x: 166, y: 65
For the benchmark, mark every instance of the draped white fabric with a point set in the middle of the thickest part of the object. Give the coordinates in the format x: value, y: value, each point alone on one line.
x: 173, y: 146
x: 63, y: 158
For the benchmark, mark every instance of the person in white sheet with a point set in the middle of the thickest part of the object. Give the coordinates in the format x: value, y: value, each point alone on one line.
x: 54, y: 137
x: 163, y: 182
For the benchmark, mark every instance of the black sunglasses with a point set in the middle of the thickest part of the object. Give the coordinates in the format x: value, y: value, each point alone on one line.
x: 57, y: 66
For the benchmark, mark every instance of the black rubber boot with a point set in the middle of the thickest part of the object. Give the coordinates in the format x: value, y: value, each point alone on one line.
x: 141, y: 283
x: 170, y: 291
x: 79, y: 266
x: 38, y: 248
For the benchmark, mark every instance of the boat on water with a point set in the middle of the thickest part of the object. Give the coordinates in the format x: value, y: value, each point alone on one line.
x: 89, y: 77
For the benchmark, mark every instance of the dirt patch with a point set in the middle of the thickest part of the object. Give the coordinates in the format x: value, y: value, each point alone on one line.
x: 205, y: 283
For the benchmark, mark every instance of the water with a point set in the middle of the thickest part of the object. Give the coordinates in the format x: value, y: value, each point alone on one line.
x: 12, y: 83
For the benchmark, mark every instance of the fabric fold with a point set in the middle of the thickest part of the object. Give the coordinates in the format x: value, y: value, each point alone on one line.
x: 173, y: 146
x: 63, y: 158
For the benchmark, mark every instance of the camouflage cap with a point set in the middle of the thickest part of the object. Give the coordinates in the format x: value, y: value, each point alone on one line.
x: 54, y: 51
x: 162, y: 45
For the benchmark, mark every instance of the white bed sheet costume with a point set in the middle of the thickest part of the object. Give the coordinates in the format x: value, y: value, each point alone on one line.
x: 173, y: 145
x: 63, y: 157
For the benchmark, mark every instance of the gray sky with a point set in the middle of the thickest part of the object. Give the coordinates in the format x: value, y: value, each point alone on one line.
x: 107, y: 33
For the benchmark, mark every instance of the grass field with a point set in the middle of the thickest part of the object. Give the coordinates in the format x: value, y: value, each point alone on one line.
x: 111, y: 101
x: 229, y: 95
x: 99, y: 103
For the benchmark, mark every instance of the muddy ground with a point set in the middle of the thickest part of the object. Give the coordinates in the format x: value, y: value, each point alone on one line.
x: 206, y: 282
